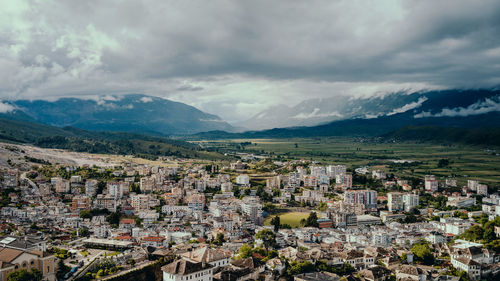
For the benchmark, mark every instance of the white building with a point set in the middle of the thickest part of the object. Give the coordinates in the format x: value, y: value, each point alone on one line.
x: 410, y: 201
x: 243, y: 180
x: 472, y: 184
x: 431, y: 184
x: 395, y: 201
x: 183, y: 270
x: 345, y: 180
x: 333, y: 170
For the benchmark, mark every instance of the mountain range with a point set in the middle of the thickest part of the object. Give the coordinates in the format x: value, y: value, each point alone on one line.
x: 314, y: 112
x: 463, y: 115
x: 129, y: 113
x: 471, y: 116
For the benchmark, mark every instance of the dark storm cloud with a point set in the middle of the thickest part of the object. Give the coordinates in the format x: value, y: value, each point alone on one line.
x: 216, y: 54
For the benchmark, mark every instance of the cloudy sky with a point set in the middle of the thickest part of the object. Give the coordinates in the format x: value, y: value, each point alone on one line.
x: 235, y: 58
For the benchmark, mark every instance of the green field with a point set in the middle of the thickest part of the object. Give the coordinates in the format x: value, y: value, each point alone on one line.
x: 465, y: 161
x: 293, y: 218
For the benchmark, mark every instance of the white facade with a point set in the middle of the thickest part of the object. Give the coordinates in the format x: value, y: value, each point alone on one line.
x: 243, y: 180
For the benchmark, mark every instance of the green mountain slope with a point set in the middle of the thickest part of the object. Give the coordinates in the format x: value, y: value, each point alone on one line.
x: 99, y: 142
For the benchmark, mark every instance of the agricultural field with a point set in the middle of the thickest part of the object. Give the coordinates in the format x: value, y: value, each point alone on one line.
x: 292, y: 218
x: 462, y: 161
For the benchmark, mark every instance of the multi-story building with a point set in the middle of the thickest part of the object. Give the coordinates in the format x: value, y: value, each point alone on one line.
x: 273, y: 182
x: 431, y: 184
x: 80, y: 202
x: 344, y: 180
x: 451, y: 182
x: 482, y: 189
x: 379, y: 174
x: 472, y: 184
x: 117, y: 189
x: 333, y: 171
x: 243, y: 180
x: 395, y: 201
x: 147, y: 184
x: 105, y: 202
x: 252, y: 207
x: 317, y: 171
x: 365, y: 197
x: 294, y: 179
x: 61, y: 185
x: 410, y: 201
x: 226, y: 187
x: 91, y: 187
x: 11, y: 178
x: 196, y: 202
x: 139, y: 201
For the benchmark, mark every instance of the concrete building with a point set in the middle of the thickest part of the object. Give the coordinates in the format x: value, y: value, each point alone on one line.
x: 395, y: 201
x: 243, y: 180
x: 365, y: 197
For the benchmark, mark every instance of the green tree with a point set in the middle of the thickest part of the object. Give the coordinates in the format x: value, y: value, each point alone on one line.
x: 267, y: 236
x: 246, y: 251
x: 219, y: 240
x: 114, y: 218
x: 423, y: 253
x: 24, y: 275
x: 276, y: 222
x: 312, y: 220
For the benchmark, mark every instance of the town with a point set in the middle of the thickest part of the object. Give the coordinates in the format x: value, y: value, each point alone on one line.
x: 252, y: 218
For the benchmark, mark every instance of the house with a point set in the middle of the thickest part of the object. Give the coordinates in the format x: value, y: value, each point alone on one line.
x: 15, y: 259
x: 470, y: 266
x: 317, y: 276
x: 375, y: 273
x: 357, y: 259
x: 409, y: 272
x: 154, y: 241
x: 186, y: 270
x: 276, y: 265
x: 215, y: 257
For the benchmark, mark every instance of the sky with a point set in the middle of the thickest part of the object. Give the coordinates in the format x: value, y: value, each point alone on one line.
x: 236, y: 58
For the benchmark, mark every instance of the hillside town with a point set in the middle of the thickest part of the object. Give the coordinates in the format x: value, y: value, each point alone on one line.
x: 252, y: 218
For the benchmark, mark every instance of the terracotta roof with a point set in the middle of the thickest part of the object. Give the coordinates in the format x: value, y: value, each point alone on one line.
x: 184, y: 267
x: 8, y: 255
x: 153, y: 238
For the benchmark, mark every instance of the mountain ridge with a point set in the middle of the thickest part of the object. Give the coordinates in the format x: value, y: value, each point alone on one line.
x: 127, y: 113
x: 315, y: 112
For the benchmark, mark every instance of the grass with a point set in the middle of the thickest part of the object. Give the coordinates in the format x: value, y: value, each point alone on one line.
x: 292, y: 218
x: 466, y: 161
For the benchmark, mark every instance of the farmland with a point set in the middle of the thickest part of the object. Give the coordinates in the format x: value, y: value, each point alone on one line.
x: 463, y: 161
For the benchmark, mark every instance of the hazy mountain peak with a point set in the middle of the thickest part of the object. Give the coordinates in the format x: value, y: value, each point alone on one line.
x: 131, y: 113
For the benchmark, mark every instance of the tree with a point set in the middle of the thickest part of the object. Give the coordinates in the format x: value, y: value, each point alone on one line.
x: 312, y: 220
x: 219, y: 240
x: 276, y: 222
x: 423, y: 253
x: 267, y: 236
x: 246, y: 251
x: 113, y: 218
x: 24, y: 275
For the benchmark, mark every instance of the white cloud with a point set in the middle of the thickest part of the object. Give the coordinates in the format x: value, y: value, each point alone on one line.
x: 481, y: 107
x: 316, y: 114
x: 409, y: 106
x: 146, y: 99
x: 6, y: 108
